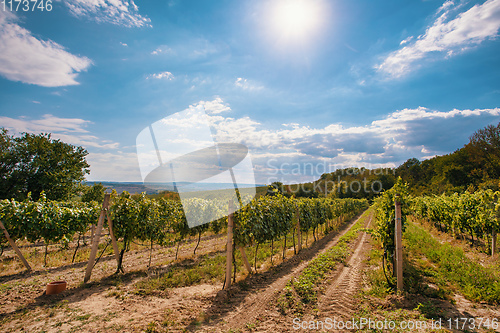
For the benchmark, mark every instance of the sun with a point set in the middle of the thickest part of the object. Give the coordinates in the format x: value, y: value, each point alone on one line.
x: 296, y: 19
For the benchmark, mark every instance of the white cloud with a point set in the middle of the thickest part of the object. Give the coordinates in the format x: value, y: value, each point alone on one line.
x: 215, y: 107
x: 30, y: 60
x: 419, y: 132
x: 119, y: 12
x: 197, y: 48
x: 162, y: 75
x: 202, y: 49
x: 124, y: 167
x: 191, y: 49
x: 246, y: 85
x: 277, y: 151
x: 162, y: 49
x: 69, y: 130
x: 451, y: 33
x: 448, y: 4
x: 405, y: 41
x: 106, y: 160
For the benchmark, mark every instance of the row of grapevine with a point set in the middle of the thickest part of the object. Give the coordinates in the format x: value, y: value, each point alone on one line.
x: 270, y: 218
x: 385, y: 221
x: 51, y: 221
x: 162, y: 221
x: 45, y: 219
x: 158, y: 221
x: 475, y: 214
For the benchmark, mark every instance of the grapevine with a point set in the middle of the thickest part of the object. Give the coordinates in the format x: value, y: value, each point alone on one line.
x: 162, y: 221
x: 385, y: 218
x: 475, y: 214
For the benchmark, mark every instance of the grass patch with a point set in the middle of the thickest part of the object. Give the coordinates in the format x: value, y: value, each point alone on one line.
x: 305, y: 284
x: 289, y: 300
x: 114, y: 293
x: 207, y: 269
x: 151, y: 328
x: 210, y: 268
x: 8, y: 286
x: 83, y: 317
x: 424, y: 288
x: 304, y: 288
x: 378, y: 285
x: 447, y: 263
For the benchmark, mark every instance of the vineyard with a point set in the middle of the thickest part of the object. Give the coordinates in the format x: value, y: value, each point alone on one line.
x: 163, y: 222
x: 476, y: 215
x: 305, y: 259
x: 275, y: 230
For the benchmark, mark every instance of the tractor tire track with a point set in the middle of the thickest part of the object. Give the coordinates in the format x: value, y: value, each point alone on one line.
x: 257, y: 304
x: 339, y: 299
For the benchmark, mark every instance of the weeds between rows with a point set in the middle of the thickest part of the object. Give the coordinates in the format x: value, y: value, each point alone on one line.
x: 187, y: 271
x: 210, y: 268
x: 446, y: 268
x: 433, y: 273
x: 450, y: 264
x: 303, y: 290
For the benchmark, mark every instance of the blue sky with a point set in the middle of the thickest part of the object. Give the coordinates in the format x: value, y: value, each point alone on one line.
x: 327, y: 83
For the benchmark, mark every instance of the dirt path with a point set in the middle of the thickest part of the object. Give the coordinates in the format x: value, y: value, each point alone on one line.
x: 339, y: 300
x: 22, y: 291
x: 112, y: 303
x: 255, y: 308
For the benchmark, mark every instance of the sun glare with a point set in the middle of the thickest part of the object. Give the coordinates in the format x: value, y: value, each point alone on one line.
x: 296, y: 19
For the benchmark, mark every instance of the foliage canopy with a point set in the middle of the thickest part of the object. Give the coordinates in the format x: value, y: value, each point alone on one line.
x: 37, y: 163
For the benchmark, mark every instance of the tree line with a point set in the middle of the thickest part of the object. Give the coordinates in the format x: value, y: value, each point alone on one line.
x: 34, y: 164
x: 475, y: 166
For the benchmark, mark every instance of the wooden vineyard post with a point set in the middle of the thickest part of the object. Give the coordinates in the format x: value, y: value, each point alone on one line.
x: 493, y: 241
x: 113, y: 239
x: 97, y: 236
x: 92, y: 233
x: 242, y: 249
x: 399, y: 247
x: 299, y: 234
x: 245, y: 259
x: 229, y: 246
x: 14, y: 246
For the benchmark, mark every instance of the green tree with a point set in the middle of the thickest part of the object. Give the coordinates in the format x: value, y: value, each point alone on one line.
x: 484, y: 145
x: 94, y: 193
x: 36, y: 162
x: 410, y: 171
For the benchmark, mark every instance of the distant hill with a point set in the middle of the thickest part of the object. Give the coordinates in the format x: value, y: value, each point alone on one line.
x: 139, y: 187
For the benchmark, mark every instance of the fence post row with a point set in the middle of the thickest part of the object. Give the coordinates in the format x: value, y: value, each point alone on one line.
x: 97, y: 236
x: 15, y: 248
x: 399, y: 246
x: 493, y: 241
x: 229, y: 246
x: 299, y: 233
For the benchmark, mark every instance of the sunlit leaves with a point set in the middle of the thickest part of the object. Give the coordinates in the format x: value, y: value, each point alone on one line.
x: 475, y: 213
x: 385, y: 214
